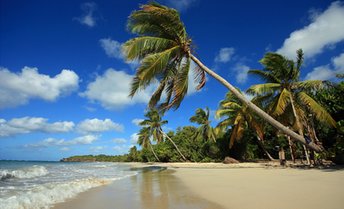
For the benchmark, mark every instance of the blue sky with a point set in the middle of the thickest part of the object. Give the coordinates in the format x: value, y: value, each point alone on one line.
x: 64, y: 82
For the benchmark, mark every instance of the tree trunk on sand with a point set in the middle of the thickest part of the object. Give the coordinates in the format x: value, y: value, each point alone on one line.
x: 173, y: 145
x: 263, y: 148
x: 256, y: 109
x: 150, y: 145
x: 299, y: 127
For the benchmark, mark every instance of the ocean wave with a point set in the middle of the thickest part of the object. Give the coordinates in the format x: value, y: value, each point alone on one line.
x: 45, y: 195
x: 30, y: 172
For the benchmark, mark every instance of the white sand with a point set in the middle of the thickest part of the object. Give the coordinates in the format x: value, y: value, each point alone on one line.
x: 266, y: 188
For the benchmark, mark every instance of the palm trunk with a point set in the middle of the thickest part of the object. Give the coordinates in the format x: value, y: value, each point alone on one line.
x: 256, y: 109
x: 263, y: 148
x: 299, y: 127
x: 150, y: 145
x: 173, y: 145
x: 292, y: 153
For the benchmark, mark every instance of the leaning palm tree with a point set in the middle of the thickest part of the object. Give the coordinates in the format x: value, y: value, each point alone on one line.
x: 154, y: 123
x: 205, y: 129
x: 284, y: 95
x: 144, y: 140
x: 239, y: 117
x: 165, y: 52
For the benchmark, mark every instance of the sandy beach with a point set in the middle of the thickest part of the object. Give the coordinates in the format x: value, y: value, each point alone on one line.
x: 218, y: 186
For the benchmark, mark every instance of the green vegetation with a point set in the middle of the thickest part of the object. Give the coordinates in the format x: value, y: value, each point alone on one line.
x: 314, y: 109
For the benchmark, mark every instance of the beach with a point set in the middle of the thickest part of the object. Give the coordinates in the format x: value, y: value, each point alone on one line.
x: 219, y: 186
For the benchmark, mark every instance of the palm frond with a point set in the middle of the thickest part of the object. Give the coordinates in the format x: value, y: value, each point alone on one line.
x: 181, y: 85
x: 266, y: 88
x: 320, y: 113
x: 265, y: 75
x: 282, y: 102
x: 138, y: 48
x: 309, y: 85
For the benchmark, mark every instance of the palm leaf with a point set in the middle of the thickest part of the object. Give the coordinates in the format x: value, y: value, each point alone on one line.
x: 138, y: 48
x: 266, y: 88
x: 282, y: 102
x: 320, y: 113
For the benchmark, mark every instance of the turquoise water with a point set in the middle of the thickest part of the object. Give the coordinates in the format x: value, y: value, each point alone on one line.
x: 37, y: 184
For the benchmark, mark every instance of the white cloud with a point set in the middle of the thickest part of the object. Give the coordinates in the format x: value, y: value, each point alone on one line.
x: 112, y: 88
x: 326, y: 29
x: 49, y: 142
x: 180, y: 5
x: 137, y: 121
x: 326, y: 72
x: 112, y: 48
x: 18, y: 88
x: 65, y: 149
x: 96, y: 125
x: 97, y: 148
x: 192, y: 85
x: 119, y: 140
x: 241, y: 73
x: 122, y: 149
x: 225, y: 55
x: 32, y: 124
x: 133, y: 138
x: 88, y: 18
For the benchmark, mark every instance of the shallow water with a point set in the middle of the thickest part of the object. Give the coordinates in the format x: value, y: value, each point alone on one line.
x: 35, y: 184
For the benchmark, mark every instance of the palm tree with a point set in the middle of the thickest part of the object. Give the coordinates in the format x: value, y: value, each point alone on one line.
x: 239, y: 116
x: 144, y: 140
x: 201, y: 117
x: 165, y: 52
x: 153, y: 123
x: 285, y: 95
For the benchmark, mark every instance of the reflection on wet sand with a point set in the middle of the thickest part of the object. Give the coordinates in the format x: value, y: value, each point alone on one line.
x: 160, y: 189
x: 153, y: 188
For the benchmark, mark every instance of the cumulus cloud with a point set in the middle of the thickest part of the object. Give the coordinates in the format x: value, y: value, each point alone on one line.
x: 224, y: 55
x: 18, y: 88
x: 112, y: 88
x: 50, y: 142
x: 111, y: 47
x: 329, y: 71
x: 137, y: 121
x: 326, y: 29
x: 119, y: 140
x: 133, y: 138
x: 88, y: 18
x: 241, y: 73
x: 180, y: 5
x: 32, y: 124
x: 121, y: 149
x: 96, y: 125
x: 97, y: 148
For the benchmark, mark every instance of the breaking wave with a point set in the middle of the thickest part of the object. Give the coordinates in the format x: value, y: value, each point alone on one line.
x: 30, y: 172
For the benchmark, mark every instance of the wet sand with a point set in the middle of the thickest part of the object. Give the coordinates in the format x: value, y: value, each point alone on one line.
x: 219, y: 186
x: 157, y: 189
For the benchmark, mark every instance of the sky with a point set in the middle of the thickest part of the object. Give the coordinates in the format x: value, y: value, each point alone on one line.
x: 64, y: 81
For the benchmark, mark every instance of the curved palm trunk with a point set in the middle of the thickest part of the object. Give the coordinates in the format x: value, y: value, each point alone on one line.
x: 150, y: 145
x: 263, y: 148
x: 299, y: 127
x: 256, y: 109
x: 174, y: 145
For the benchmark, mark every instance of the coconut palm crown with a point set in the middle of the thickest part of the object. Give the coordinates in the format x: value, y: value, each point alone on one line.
x: 163, y: 47
x: 284, y: 94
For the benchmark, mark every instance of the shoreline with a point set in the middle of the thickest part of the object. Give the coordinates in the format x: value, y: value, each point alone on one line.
x: 237, y: 186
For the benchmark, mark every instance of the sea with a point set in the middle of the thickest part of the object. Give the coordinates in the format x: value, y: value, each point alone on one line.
x: 37, y: 184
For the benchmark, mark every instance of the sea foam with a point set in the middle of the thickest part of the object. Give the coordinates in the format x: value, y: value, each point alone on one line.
x: 29, y: 172
x: 45, y: 195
